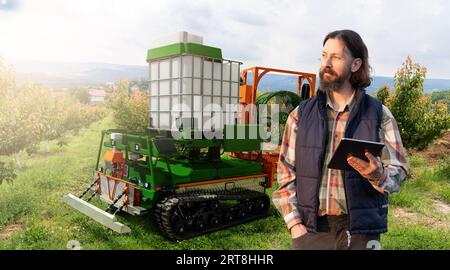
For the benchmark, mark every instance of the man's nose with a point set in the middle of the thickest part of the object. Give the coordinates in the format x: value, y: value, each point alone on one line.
x: 326, y: 62
x: 325, y: 65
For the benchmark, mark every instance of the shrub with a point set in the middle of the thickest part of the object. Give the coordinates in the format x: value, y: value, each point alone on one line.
x: 419, y: 120
x: 384, y: 94
x: 130, y: 111
x: 29, y: 114
x: 7, y: 172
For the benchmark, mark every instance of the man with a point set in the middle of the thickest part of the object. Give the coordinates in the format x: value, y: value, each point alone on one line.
x: 333, y: 209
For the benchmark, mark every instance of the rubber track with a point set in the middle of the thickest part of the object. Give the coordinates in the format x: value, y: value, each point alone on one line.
x: 165, y: 210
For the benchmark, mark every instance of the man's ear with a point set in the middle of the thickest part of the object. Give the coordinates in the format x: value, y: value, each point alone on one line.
x: 356, y: 64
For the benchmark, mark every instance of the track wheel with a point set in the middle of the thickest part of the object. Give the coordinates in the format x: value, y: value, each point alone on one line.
x: 214, y: 221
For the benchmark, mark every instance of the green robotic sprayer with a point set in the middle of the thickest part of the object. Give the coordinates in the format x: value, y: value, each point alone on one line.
x: 202, y: 164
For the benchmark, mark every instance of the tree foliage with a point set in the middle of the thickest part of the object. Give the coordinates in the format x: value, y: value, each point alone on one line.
x: 30, y: 114
x: 384, y: 95
x: 420, y: 121
x: 81, y: 94
x: 7, y: 172
x: 441, y: 96
x: 130, y: 110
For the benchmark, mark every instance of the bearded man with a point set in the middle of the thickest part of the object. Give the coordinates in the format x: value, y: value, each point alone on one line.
x: 335, y: 209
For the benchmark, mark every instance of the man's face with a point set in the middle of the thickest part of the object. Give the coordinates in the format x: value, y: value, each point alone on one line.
x: 335, y: 65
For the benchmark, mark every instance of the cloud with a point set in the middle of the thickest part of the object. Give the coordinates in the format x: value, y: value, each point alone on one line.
x: 9, y: 5
x: 283, y: 34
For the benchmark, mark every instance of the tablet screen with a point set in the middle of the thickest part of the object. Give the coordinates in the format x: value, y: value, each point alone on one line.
x: 356, y: 148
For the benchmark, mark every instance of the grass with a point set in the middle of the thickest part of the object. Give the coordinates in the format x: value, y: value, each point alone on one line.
x: 427, y: 185
x: 415, y: 237
x: 32, y: 211
x: 424, y: 226
x: 34, y: 201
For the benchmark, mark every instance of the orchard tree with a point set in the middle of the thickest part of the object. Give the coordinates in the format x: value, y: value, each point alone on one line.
x: 419, y: 120
x: 7, y: 78
x: 82, y: 95
x: 13, y: 138
x: 29, y: 114
x: 384, y: 94
x: 130, y: 111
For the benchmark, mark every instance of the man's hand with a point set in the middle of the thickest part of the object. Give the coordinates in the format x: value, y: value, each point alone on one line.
x: 373, y: 170
x: 298, y: 230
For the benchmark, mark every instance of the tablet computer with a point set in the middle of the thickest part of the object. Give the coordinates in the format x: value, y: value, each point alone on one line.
x: 356, y: 148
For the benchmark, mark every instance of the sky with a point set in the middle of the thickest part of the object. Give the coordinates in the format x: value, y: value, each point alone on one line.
x: 273, y: 33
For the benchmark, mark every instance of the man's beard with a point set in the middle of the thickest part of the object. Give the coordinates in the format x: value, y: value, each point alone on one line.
x: 333, y: 84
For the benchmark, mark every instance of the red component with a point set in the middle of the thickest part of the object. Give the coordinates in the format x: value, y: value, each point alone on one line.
x: 269, y: 161
x: 137, y: 197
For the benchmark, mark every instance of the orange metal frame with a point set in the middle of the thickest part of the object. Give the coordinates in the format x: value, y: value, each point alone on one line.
x: 248, y: 92
x: 248, y: 96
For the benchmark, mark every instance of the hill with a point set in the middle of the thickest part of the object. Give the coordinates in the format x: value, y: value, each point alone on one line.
x: 274, y: 82
x: 67, y: 75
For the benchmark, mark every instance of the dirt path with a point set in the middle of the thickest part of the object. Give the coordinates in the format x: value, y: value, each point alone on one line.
x: 406, y: 217
x: 442, y: 207
x: 436, y: 151
x: 10, y: 230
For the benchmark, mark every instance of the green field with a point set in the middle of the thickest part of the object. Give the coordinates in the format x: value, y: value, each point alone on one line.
x: 32, y: 215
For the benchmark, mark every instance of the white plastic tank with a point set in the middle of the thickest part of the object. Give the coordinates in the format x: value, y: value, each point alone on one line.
x: 184, y: 87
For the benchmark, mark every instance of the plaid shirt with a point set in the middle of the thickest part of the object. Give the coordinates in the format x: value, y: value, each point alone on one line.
x: 332, y: 199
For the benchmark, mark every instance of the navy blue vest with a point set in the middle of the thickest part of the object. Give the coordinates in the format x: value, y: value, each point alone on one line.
x: 367, y: 207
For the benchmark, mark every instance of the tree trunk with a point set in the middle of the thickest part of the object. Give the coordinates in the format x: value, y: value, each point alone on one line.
x: 18, y: 163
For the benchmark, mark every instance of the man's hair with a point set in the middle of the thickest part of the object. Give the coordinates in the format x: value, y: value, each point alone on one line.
x: 356, y: 46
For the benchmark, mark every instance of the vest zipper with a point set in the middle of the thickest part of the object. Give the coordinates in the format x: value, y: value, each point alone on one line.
x: 322, y: 157
x: 350, y: 121
x: 346, y: 203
